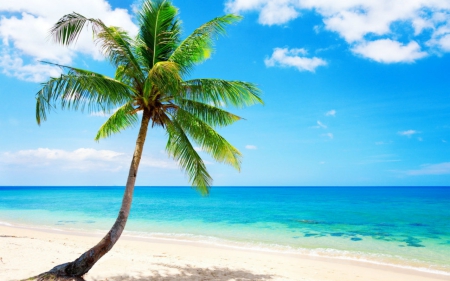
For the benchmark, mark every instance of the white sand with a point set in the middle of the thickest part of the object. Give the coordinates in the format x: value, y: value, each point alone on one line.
x: 28, y: 252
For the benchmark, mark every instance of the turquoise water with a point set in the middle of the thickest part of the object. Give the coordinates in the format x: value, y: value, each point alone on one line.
x: 402, y: 226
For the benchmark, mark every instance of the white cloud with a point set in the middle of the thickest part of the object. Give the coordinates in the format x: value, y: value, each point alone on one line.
x: 236, y: 6
x: 271, y: 12
x: 359, y: 22
x: 389, y: 51
x: 82, y: 159
x: 431, y: 169
x: 24, y: 34
x: 331, y: 113
x: 441, y: 42
x: 277, y: 12
x: 284, y: 57
x: 408, y: 133
x: 12, y: 64
x: 383, y: 158
x: 316, y: 29
x: 329, y: 135
x: 104, y: 113
x: 158, y: 163
x: 251, y: 147
x: 100, y: 114
x: 444, y: 42
x: 321, y: 125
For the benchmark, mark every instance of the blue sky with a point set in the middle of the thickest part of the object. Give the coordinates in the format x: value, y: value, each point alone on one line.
x: 356, y: 92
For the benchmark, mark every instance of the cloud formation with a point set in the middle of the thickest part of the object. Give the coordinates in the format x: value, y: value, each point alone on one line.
x: 251, y: 147
x: 367, y: 24
x: 283, y: 57
x: 321, y: 125
x: 389, y: 51
x: 100, y: 114
x: 329, y: 135
x: 408, y: 133
x: 82, y: 159
x: 331, y: 113
x: 431, y: 169
x: 24, y: 35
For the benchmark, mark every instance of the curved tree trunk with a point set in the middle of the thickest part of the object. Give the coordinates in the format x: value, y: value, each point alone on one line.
x: 84, y: 263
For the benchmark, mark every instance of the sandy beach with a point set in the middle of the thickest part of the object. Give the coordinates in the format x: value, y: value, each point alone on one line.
x: 27, y: 252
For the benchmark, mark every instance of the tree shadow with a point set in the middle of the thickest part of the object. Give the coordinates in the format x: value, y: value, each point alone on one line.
x: 190, y: 273
x: 51, y: 277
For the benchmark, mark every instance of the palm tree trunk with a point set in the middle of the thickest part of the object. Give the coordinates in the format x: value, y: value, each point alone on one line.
x: 84, y: 263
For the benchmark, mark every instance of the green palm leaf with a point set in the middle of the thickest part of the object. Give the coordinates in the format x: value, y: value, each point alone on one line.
x: 124, y: 117
x: 114, y: 42
x: 181, y: 149
x: 209, y: 114
x: 159, y: 32
x: 222, y: 92
x: 163, y: 80
x: 67, y: 30
x: 209, y: 140
x: 79, y: 89
x: 198, y: 46
x: 117, y: 47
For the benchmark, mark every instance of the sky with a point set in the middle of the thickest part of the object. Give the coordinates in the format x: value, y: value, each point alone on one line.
x: 356, y: 92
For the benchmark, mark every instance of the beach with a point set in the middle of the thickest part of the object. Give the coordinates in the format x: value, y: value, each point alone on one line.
x: 237, y: 233
x: 26, y: 252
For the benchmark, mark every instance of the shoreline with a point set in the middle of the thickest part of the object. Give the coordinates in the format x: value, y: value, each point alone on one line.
x: 176, y: 256
x: 339, y: 255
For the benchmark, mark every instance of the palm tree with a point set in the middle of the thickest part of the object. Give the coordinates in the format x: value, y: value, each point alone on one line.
x: 149, y: 79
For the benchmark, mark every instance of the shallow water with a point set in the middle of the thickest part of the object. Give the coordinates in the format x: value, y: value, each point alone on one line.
x: 405, y: 226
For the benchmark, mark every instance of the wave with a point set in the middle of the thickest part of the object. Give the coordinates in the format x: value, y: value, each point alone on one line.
x: 5, y: 223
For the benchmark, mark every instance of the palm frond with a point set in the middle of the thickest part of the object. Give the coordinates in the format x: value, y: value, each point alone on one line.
x: 199, y: 45
x: 117, y: 46
x: 222, y: 92
x: 209, y: 114
x: 114, y: 42
x: 79, y: 89
x: 181, y: 149
x: 123, y: 75
x: 69, y: 27
x: 124, y: 117
x: 159, y: 32
x: 209, y: 140
x: 165, y: 78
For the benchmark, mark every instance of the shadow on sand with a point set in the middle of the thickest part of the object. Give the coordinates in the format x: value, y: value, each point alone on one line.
x: 189, y: 273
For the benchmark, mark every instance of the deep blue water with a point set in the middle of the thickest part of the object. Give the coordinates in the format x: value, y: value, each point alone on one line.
x: 408, y: 226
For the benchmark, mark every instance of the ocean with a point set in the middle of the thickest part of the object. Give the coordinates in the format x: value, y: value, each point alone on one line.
x: 399, y: 226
